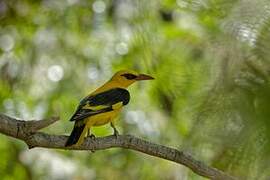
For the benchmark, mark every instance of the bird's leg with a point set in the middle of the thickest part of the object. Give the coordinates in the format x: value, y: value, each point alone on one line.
x: 115, y: 132
x: 92, y: 136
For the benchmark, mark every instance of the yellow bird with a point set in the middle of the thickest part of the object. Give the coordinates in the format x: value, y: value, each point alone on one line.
x: 103, y: 105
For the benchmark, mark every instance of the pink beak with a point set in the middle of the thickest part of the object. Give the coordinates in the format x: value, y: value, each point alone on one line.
x: 143, y: 77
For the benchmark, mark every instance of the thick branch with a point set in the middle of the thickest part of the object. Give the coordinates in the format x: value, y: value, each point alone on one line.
x: 26, y: 131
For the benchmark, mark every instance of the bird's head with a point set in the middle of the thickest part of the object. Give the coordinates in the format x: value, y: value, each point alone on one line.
x: 128, y: 77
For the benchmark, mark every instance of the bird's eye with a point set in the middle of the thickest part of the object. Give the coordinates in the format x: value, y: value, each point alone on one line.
x: 129, y: 76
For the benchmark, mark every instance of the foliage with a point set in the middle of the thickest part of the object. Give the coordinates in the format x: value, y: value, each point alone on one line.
x: 211, y: 95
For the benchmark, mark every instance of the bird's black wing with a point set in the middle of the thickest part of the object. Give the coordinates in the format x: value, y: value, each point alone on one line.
x: 100, y: 103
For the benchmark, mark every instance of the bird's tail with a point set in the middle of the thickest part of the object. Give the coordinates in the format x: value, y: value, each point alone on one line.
x: 77, y: 135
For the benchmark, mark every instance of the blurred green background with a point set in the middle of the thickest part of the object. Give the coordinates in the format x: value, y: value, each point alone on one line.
x: 211, y: 95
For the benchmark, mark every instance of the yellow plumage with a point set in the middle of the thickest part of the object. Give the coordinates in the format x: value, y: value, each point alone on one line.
x: 103, y: 105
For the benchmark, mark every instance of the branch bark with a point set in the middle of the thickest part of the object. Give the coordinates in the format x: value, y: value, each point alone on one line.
x: 27, y: 132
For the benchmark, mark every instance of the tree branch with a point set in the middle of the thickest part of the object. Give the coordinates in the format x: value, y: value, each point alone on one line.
x: 26, y: 131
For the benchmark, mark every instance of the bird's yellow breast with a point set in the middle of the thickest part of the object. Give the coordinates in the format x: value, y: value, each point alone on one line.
x: 101, y: 119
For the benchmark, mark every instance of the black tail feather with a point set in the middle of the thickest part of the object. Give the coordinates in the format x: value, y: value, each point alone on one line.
x: 75, y: 135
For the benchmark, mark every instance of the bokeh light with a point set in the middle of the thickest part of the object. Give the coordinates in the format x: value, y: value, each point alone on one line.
x: 55, y: 73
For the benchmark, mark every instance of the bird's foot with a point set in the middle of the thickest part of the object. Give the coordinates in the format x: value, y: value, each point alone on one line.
x: 116, y: 133
x: 92, y: 136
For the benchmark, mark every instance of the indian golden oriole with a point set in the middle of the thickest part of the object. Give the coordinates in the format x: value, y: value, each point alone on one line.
x: 103, y: 105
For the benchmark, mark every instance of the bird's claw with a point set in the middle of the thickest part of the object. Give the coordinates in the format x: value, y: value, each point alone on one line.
x: 116, y: 133
x: 92, y: 136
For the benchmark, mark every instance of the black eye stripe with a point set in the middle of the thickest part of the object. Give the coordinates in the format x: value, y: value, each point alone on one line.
x: 129, y: 76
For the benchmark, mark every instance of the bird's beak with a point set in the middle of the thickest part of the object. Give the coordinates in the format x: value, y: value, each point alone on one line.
x: 141, y: 77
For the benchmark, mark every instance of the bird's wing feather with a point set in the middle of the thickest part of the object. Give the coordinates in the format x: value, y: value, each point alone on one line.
x: 100, y: 103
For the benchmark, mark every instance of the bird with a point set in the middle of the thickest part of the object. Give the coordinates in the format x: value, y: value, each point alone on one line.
x: 103, y: 105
